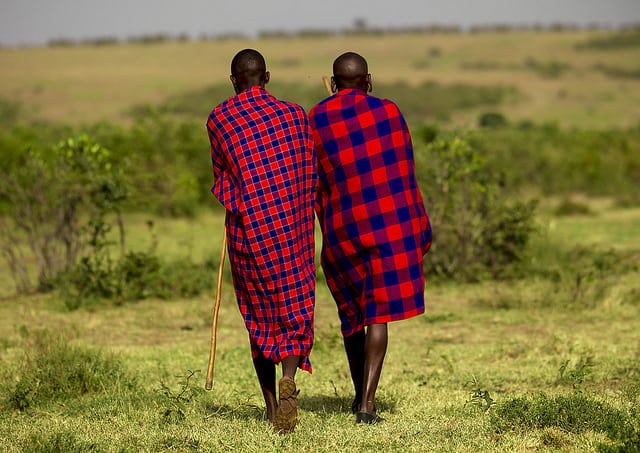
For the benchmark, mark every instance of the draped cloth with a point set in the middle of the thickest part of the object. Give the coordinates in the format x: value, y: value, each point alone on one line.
x: 375, y: 227
x: 264, y: 169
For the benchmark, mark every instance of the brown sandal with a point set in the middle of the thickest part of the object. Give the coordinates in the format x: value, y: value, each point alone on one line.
x: 287, y: 413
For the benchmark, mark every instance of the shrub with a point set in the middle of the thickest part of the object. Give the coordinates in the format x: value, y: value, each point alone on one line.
x: 569, y: 207
x: 169, y: 164
x: 428, y: 133
x: 52, y: 198
x: 492, y: 119
x: 581, y: 277
x: 135, y: 276
x: 432, y: 100
x: 561, y: 162
x: 138, y: 273
x: 477, y: 232
x: 9, y: 111
x: 617, y: 71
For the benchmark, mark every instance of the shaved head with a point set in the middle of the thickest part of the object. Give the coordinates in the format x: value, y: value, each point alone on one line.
x: 350, y: 70
x: 248, y: 69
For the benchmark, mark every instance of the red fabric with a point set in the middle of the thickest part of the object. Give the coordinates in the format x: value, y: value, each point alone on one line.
x: 374, y: 223
x: 265, y: 175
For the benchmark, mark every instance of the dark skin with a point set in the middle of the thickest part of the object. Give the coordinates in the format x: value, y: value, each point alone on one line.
x: 365, y: 349
x: 248, y: 69
x: 350, y: 70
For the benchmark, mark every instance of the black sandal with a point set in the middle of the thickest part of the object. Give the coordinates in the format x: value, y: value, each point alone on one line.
x: 367, y: 418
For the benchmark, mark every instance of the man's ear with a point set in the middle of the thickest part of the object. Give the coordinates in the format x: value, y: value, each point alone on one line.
x: 267, y: 77
x: 369, y: 84
x: 233, y: 82
x: 334, y: 87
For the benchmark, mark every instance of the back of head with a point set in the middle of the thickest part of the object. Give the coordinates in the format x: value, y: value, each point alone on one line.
x: 350, y: 70
x: 248, y: 68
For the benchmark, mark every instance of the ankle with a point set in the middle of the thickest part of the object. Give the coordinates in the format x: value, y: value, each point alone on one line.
x: 369, y: 407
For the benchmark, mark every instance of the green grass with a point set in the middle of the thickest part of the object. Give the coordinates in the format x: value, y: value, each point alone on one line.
x: 472, y: 374
x: 546, y: 363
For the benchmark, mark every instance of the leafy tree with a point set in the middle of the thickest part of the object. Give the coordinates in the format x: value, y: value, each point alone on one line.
x: 54, y: 199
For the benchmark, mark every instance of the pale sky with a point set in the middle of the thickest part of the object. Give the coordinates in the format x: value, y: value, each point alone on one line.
x: 35, y: 22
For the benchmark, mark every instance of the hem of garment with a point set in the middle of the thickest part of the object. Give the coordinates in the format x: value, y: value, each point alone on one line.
x: 384, y: 320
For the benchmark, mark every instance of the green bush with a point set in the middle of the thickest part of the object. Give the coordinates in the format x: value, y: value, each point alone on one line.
x: 569, y: 207
x: 560, y: 162
x: 574, y: 278
x: 138, y: 273
x: 135, y: 276
x: 10, y: 111
x: 618, y: 72
x: 53, y: 197
x: 478, y: 232
x: 169, y: 162
x: 492, y: 119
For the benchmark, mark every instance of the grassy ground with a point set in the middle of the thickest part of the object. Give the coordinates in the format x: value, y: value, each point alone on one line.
x: 466, y: 376
x: 447, y: 376
x: 559, y: 82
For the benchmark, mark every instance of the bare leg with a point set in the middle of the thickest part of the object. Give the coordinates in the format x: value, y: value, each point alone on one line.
x: 290, y: 365
x: 354, y: 347
x: 375, y: 348
x: 266, y: 371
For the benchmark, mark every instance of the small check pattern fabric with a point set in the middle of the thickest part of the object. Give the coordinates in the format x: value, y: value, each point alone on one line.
x: 264, y: 167
x: 374, y: 223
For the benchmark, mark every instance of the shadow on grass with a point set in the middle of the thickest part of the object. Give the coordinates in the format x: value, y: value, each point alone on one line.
x: 330, y: 405
x: 246, y: 411
x: 323, y: 406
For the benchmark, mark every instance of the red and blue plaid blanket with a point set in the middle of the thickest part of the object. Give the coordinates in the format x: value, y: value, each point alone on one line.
x: 264, y: 169
x: 374, y: 223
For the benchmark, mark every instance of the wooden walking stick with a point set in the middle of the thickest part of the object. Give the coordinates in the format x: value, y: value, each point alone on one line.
x: 214, y: 322
x: 327, y: 85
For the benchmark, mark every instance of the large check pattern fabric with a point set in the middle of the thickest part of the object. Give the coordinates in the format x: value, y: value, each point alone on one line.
x: 374, y: 223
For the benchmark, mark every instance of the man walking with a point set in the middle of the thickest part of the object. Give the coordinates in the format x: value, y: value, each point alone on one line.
x: 265, y: 176
x: 374, y: 224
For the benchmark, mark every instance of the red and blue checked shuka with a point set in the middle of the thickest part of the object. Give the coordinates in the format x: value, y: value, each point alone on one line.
x: 375, y: 227
x: 264, y: 167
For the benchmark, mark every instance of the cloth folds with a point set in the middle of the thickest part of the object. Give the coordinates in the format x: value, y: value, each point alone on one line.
x: 264, y: 169
x: 374, y: 223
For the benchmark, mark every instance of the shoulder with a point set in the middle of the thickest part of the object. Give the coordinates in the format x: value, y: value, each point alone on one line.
x: 326, y: 105
x: 385, y: 107
x: 291, y: 112
x: 382, y: 102
x: 292, y: 106
x: 222, y: 108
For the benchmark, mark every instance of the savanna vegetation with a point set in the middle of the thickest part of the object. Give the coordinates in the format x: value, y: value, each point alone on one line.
x: 527, y: 147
